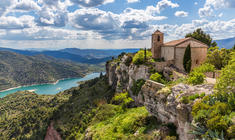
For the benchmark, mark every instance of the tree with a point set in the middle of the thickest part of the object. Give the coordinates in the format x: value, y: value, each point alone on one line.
x: 233, y: 48
x: 218, y: 57
x: 202, y: 36
x: 187, y: 59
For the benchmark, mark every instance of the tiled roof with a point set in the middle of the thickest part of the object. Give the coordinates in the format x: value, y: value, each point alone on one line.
x: 176, y: 42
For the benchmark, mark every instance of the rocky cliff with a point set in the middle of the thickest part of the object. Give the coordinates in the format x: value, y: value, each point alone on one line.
x: 163, y: 102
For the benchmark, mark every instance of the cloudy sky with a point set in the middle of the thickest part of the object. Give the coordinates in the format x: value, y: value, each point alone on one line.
x: 55, y: 24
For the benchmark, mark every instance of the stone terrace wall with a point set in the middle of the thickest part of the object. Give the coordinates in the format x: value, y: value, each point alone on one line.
x: 159, y: 66
x: 212, y: 74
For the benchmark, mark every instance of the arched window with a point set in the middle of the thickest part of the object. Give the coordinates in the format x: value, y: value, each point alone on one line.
x: 158, y: 38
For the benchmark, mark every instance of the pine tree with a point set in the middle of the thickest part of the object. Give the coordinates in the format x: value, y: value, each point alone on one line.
x: 145, y: 53
x: 187, y: 59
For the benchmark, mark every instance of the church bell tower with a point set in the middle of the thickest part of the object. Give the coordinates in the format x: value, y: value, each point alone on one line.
x: 157, y: 43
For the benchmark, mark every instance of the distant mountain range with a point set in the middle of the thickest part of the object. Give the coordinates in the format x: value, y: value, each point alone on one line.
x: 226, y: 43
x: 17, y: 69
x: 89, y: 56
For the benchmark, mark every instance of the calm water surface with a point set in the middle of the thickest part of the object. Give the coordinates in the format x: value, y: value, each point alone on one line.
x: 52, y: 88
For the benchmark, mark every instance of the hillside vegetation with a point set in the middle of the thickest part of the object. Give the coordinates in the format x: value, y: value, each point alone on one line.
x: 90, y: 110
x: 16, y: 69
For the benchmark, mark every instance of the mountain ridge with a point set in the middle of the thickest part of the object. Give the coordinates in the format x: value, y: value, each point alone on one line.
x: 90, y: 56
x: 227, y: 43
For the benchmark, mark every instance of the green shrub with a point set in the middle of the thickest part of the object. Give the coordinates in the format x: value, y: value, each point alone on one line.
x: 218, y: 57
x: 196, y: 78
x: 157, y: 78
x: 215, y: 112
x: 184, y: 100
x: 231, y: 131
x: 122, y: 99
x: 137, y: 85
x: 170, y: 138
x: 166, y: 91
x: 202, y: 94
x: 206, y: 67
x: 187, y: 59
x: 139, y: 57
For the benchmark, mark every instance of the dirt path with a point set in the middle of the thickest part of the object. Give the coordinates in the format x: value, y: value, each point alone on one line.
x: 210, y: 80
x: 52, y: 134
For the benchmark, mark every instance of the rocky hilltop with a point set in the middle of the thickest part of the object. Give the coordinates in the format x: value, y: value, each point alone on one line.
x: 164, y: 102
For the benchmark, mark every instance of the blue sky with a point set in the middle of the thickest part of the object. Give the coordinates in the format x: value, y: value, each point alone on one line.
x: 56, y: 24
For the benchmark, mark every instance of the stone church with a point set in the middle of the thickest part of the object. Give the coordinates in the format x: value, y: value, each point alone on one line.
x: 174, y: 50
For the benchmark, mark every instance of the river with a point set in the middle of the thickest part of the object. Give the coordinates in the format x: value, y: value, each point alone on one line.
x: 55, y: 88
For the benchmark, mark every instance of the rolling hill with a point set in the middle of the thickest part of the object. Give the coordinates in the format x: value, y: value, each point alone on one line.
x: 17, y: 69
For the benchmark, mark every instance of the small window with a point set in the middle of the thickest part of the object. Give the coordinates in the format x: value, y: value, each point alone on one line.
x: 158, y: 38
x: 196, y: 61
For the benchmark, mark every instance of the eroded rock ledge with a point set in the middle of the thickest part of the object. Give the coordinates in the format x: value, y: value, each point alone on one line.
x: 165, y: 105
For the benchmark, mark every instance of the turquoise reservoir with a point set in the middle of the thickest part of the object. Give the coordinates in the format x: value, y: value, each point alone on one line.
x: 61, y: 85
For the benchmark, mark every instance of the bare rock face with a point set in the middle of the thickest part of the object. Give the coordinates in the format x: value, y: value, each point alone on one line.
x: 121, y: 75
x: 167, y: 106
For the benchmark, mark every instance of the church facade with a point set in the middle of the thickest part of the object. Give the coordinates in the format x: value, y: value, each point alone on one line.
x: 174, y: 50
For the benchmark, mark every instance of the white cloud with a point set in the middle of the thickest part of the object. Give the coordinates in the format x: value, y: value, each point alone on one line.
x: 26, y: 5
x: 132, y: 1
x: 195, y: 3
x: 181, y: 14
x: 161, y: 5
x: 206, y: 11
x: 53, y: 13
x: 94, y: 19
x: 5, y: 5
x: 91, y: 3
x: 211, y: 5
x: 51, y: 17
x: 141, y: 15
x: 220, y: 15
x: 11, y: 22
x: 131, y: 23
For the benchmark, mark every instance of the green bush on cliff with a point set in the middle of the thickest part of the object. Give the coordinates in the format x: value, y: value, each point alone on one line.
x: 122, y: 99
x: 196, y: 78
x: 216, y: 112
x: 157, y: 78
x: 205, y: 67
x: 139, y: 57
x: 137, y: 85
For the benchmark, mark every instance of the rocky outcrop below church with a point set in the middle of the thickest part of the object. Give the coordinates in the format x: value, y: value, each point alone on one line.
x: 164, y: 102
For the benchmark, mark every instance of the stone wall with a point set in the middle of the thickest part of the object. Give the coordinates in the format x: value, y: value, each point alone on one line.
x: 179, y: 56
x: 198, y: 54
x: 167, y: 53
x: 212, y: 74
x: 159, y: 66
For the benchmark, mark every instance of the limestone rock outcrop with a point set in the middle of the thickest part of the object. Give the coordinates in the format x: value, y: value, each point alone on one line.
x: 162, y: 102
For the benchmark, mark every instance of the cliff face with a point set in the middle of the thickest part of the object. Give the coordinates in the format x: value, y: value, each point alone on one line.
x: 121, y: 75
x: 163, y: 102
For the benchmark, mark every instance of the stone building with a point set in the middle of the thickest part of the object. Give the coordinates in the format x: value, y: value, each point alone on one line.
x: 174, y: 50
